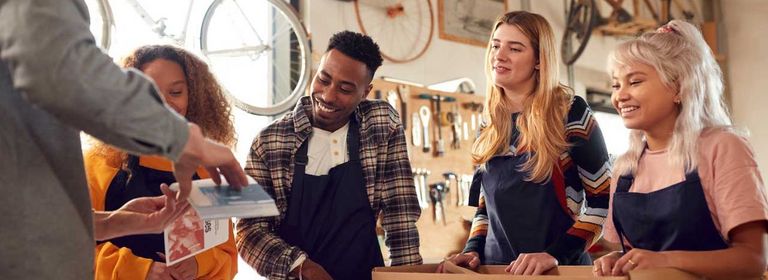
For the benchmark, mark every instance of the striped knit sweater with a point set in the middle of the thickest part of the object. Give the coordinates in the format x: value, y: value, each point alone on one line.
x: 582, y: 186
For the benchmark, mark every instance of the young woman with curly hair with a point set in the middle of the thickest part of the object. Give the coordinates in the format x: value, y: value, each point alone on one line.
x: 115, y: 177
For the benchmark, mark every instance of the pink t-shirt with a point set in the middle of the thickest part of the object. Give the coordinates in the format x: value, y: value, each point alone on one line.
x: 729, y: 177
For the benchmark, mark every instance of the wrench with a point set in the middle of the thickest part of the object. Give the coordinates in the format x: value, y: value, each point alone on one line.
x: 416, y: 130
x: 424, y: 115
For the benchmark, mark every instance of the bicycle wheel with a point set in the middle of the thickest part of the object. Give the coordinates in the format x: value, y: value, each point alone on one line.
x: 582, y: 16
x: 402, y: 28
x: 102, y: 21
x: 259, y: 51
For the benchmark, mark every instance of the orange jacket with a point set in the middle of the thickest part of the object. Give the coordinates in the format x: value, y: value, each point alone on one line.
x: 114, y: 262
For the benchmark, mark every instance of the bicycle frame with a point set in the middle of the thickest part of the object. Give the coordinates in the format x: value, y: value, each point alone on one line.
x: 158, y: 26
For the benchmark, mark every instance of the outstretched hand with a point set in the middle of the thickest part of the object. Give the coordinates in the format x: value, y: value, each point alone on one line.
x: 142, y: 215
x: 215, y: 157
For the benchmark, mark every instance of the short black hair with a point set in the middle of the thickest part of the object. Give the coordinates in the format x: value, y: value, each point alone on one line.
x: 359, y: 47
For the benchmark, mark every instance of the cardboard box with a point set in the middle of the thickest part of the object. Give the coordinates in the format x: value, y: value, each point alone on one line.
x: 494, y: 272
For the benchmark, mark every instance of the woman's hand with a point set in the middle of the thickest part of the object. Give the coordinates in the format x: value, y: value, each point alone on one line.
x: 640, y: 259
x: 603, y: 266
x: 469, y: 260
x: 532, y: 264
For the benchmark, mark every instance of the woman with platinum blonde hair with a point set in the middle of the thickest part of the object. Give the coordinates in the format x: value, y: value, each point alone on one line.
x: 689, y: 193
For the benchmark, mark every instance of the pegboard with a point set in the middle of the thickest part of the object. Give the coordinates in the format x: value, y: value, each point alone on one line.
x: 438, y: 239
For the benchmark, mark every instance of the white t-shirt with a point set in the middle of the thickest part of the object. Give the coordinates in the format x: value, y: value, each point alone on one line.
x: 326, y: 150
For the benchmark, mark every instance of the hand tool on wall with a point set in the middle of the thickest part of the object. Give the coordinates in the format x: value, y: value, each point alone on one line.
x: 403, y: 92
x: 475, y: 108
x: 439, y: 142
x: 464, y: 181
x: 465, y: 130
x: 449, y: 178
x: 437, y: 191
x: 424, y: 115
x: 417, y: 185
x: 455, y: 121
x: 425, y: 188
x: 479, y: 124
x: 460, y: 195
x: 435, y: 101
x: 416, y: 130
x: 473, y: 122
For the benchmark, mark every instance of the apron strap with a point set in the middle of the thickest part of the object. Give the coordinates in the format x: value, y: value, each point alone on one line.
x: 623, y: 185
x: 301, y: 160
x: 353, y: 139
x: 620, y: 232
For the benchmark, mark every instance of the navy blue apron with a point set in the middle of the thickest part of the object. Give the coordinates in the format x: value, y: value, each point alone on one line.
x: 140, y: 182
x: 672, y: 218
x: 329, y: 216
x: 524, y: 217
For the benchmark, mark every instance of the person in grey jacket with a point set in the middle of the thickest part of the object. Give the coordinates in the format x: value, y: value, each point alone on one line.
x: 55, y: 82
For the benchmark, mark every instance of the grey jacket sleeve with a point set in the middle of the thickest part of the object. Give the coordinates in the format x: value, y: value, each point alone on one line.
x: 55, y: 63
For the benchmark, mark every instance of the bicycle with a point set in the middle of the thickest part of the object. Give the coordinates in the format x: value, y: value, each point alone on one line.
x: 583, y: 17
x: 240, y: 40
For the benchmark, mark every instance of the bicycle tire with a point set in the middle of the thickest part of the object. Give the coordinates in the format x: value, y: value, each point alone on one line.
x: 584, y: 12
x: 107, y: 23
x: 304, y: 55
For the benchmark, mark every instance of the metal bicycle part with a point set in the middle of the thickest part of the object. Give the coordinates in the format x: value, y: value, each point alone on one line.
x: 102, y: 22
x: 279, y: 50
x: 581, y: 18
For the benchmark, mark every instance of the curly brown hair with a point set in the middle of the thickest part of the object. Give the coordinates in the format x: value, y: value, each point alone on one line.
x: 208, y: 107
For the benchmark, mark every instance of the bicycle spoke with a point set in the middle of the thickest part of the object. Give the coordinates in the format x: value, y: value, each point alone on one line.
x: 414, y: 34
x: 278, y: 34
x: 407, y: 53
x: 250, y: 24
x: 244, y: 51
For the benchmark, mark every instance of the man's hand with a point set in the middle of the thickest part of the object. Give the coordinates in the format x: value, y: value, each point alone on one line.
x: 469, y: 260
x: 140, y: 216
x: 186, y: 269
x: 312, y: 271
x: 215, y: 157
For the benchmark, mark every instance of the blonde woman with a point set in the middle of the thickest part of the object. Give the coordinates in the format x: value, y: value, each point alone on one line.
x: 115, y: 177
x: 544, y: 168
x: 689, y: 194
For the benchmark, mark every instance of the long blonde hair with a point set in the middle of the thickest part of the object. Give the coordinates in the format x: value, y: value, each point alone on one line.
x: 684, y: 62
x: 542, y: 122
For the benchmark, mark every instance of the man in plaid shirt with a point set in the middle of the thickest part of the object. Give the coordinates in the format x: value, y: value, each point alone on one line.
x: 333, y: 165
